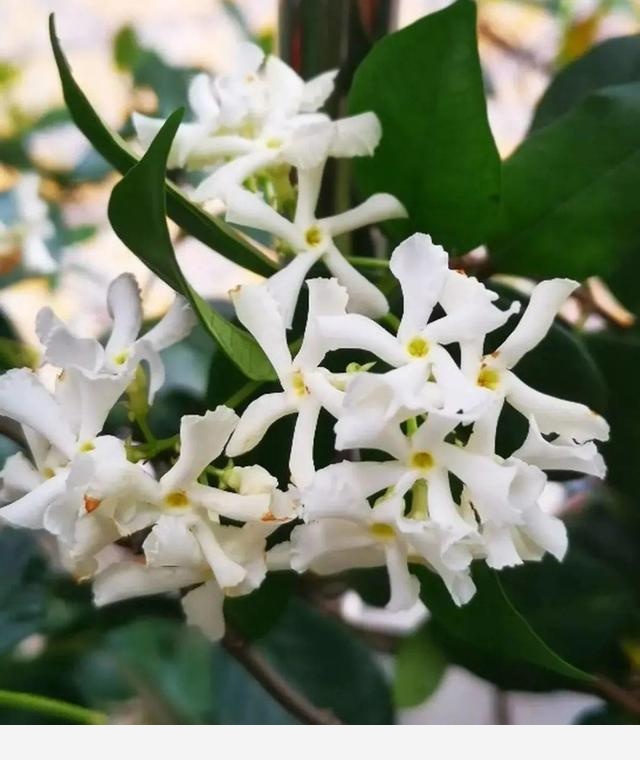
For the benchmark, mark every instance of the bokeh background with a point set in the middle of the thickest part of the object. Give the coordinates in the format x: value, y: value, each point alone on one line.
x: 521, y: 42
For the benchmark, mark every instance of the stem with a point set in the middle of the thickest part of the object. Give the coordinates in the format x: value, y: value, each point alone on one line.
x: 390, y: 320
x: 243, y: 393
x: 618, y: 695
x: 292, y: 701
x: 54, y: 707
x: 368, y: 262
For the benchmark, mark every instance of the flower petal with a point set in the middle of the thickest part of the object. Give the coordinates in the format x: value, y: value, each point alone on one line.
x: 125, y: 307
x: 285, y: 285
x: 560, y: 455
x: 176, y: 324
x: 555, y: 415
x: 329, y: 546
x: 29, y: 511
x: 316, y: 91
x: 24, y: 399
x: 171, y: 543
x: 377, y: 208
x: 202, y: 439
x: 326, y: 298
x: 235, y: 506
x: 203, y: 610
x: 364, y: 296
x: 301, y: 462
x: 202, y: 101
x: 18, y: 476
x: 358, y: 332
x: 227, y: 572
x: 420, y: 267
x: 356, y: 135
x: 62, y: 348
x: 404, y: 587
x: 258, y: 311
x: 256, y: 419
x: 126, y: 580
x: 546, y: 299
x: 247, y: 209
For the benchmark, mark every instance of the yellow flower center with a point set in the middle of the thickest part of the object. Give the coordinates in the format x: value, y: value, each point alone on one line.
x: 297, y: 383
x: 85, y: 447
x: 121, y: 358
x: 274, y: 142
x: 176, y: 499
x: 313, y: 236
x: 382, y: 531
x: 488, y: 378
x: 422, y: 460
x: 48, y: 472
x: 417, y: 347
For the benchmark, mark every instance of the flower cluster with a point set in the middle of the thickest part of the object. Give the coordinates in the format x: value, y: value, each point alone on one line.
x: 415, y: 478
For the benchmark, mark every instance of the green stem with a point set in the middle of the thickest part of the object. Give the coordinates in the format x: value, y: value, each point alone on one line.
x: 390, y: 320
x: 368, y: 262
x: 243, y: 393
x: 146, y: 430
x: 54, y: 707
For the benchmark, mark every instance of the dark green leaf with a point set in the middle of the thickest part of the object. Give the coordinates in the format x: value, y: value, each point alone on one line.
x: 615, y: 61
x: 437, y: 154
x: 137, y: 214
x: 570, y: 192
x: 318, y: 657
x: 420, y: 666
x: 255, y: 614
x: 194, y: 220
x: 618, y: 357
x: 490, y: 624
x: 22, y: 587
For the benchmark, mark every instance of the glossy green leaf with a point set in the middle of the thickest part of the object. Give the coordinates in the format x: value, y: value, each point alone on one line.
x: 615, y: 61
x: 491, y: 624
x: 437, y: 154
x: 420, y: 666
x: 254, y: 614
x: 570, y: 200
x: 618, y: 357
x: 137, y: 214
x: 212, y: 232
x: 320, y: 658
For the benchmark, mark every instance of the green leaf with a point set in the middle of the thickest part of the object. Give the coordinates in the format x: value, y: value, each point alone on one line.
x: 210, y: 231
x: 570, y: 192
x: 137, y: 214
x: 420, y: 666
x: 618, y: 357
x: 320, y: 658
x: 22, y: 587
x: 615, y: 61
x: 254, y: 614
x: 491, y: 624
x: 437, y: 154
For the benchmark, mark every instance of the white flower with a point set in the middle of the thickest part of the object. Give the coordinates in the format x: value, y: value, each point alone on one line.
x: 178, y: 561
x: 311, y: 239
x: 425, y: 280
x: 124, y: 349
x: 254, y: 479
x: 32, y: 228
x: 344, y: 531
x: 572, y: 422
x: 306, y: 388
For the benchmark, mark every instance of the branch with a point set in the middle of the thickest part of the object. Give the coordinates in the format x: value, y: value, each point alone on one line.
x: 628, y: 700
x: 292, y: 701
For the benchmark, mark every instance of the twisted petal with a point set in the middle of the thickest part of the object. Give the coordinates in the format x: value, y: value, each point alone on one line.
x: 443, y: 509
x: 285, y: 285
x: 202, y: 100
x: 29, y: 511
x: 377, y: 208
x: 247, y: 209
x: 125, y: 307
x: 316, y: 91
x: 125, y: 580
x: 256, y: 419
x: 176, y: 324
x: 62, y: 348
x: 421, y: 267
x: 356, y: 331
x: 364, y: 296
x: 555, y: 415
x: 203, y: 609
x: 326, y: 298
x: 235, y: 506
x: 202, y: 439
x: 171, y: 543
x: 258, y: 311
x: 24, y: 399
x: 560, y: 455
x: 460, y: 395
x: 356, y: 135
x: 227, y: 572
x: 301, y: 462
x: 404, y: 587
x: 331, y: 545
x: 19, y: 476
x: 546, y: 299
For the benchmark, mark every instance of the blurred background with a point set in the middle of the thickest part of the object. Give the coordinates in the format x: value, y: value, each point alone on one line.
x: 139, y: 55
